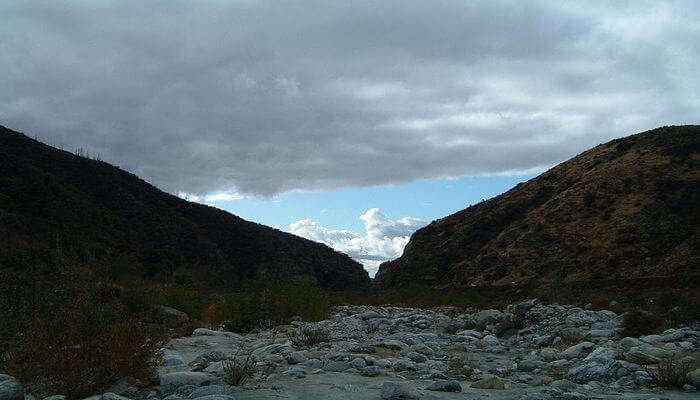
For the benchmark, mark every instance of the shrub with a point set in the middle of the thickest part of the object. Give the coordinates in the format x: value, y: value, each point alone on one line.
x: 308, y: 336
x: 84, y: 348
x: 672, y: 373
x: 275, y: 305
x: 238, y: 370
x: 638, y: 323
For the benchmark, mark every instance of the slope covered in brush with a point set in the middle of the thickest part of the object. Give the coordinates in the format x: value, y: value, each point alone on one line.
x: 625, y: 209
x: 53, y: 201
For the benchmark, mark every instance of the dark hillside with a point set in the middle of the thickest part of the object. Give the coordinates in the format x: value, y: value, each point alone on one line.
x: 629, y: 208
x: 57, y: 202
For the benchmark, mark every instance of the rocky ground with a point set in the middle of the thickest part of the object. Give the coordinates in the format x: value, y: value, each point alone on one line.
x: 528, y: 351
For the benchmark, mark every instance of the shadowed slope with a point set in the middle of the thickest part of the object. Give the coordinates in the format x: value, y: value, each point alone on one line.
x: 55, y: 201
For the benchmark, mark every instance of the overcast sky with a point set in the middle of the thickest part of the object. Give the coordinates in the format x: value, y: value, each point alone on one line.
x: 257, y: 99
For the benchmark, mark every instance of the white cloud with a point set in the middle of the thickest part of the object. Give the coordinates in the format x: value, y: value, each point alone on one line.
x: 211, y: 199
x: 383, y: 239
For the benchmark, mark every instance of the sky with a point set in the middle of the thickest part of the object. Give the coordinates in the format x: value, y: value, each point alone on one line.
x: 350, y: 123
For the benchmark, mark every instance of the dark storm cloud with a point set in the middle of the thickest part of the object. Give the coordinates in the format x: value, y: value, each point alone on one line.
x: 266, y: 97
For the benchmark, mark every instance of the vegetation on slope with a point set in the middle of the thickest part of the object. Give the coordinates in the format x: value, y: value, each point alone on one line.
x: 629, y: 208
x: 92, y: 212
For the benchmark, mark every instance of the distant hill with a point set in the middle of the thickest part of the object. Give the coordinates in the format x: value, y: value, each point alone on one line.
x: 629, y: 208
x: 57, y: 202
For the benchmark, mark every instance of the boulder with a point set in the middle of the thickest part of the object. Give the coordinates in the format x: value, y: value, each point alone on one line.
x: 337, y: 366
x: 416, y: 357
x: 397, y: 391
x: 694, y: 377
x: 170, y: 316
x: 358, y: 363
x: 469, y: 332
x: 577, y: 350
x: 563, y: 384
x: 174, y: 380
x: 531, y: 365
x: 487, y: 317
x: 10, y: 388
x: 445, y: 386
x: 295, y: 357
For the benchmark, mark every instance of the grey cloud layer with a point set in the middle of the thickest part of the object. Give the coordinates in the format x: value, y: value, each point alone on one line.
x: 265, y: 97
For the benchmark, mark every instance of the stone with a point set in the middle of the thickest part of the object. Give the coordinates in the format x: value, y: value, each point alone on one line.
x: 337, y: 366
x: 123, y: 388
x: 358, y: 363
x: 549, y: 354
x: 471, y: 333
x: 275, y: 348
x: 362, y: 349
x: 169, y: 316
x: 172, y: 360
x: 563, y: 384
x: 487, y: 317
x: 577, y: 350
x: 370, y: 315
x: 604, y: 371
x: 297, y: 373
x: 490, y: 340
x: 295, y: 357
x: 602, y: 354
x: 174, y: 380
x: 489, y: 383
x: 417, y: 357
x: 397, y: 391
x: 212, y: 356
x: 404, y: 365
x: 637, y: 355
x: 392, y: 344
x: 10, y: 388
x: 531, y: 365
x: 445, y: 386
x: 694, y: 377
x: 370, y: 371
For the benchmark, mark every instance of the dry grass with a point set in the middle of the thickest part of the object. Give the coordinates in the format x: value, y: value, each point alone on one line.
x: 372, y: 328
x: 308, y: 336
x: 564, y: 343
x: 672, y: 373
x: 238, y: 370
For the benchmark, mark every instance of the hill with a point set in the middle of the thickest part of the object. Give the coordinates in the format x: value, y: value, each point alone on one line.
x: 626, y: 209
x: 53, y: 201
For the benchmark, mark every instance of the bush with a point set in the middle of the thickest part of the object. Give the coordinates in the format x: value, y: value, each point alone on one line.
x: 672, y: 373
x: 238, y: 370
x: 308, y: 336
x: 638, y: 323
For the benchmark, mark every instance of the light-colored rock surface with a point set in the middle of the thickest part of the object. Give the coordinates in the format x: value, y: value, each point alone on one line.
x: 10, y: 388
x: 404, y: 353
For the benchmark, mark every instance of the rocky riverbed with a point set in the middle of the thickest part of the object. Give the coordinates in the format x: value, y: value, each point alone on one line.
x: 529, y: 350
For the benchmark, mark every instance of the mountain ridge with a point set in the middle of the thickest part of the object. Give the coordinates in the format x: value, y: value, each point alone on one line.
x: 55, y: 201
x: 626, y: 208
